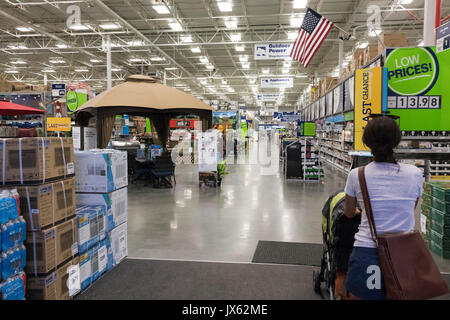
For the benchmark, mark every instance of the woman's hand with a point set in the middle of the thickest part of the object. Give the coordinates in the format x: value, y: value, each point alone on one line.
x: 350, y: 207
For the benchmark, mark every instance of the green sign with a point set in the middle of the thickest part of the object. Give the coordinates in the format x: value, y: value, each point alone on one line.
x: 349, y: 116
x: 411, y: 71
x: 74, y: 100
x: 417, y: 82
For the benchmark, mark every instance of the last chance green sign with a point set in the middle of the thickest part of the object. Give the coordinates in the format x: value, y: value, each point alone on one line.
x: 418, y: 82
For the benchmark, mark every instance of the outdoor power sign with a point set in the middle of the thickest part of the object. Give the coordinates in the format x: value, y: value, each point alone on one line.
x: 273, y: 51
x: 417, y: 79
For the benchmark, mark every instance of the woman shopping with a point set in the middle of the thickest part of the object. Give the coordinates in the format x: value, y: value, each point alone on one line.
x: 394, y: 190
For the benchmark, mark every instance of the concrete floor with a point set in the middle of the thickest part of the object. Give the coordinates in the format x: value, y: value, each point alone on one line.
x: 225, y: 224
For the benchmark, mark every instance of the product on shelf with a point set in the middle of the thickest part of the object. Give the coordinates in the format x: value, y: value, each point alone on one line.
x: 100, y: 170
x: 91, y: 226
x: 436, y: 208
x: 35, y: 160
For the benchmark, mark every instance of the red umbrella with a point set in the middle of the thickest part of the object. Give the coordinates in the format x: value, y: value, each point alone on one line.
x: 13, y: 109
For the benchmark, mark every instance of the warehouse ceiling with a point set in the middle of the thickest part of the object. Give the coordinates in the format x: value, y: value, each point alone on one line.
x: 197, y: 46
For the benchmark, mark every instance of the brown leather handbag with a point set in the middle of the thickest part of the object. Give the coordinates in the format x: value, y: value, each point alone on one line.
x: 408, y: 268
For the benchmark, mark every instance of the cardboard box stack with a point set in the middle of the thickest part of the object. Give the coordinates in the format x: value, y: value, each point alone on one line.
x: 42, y: 170
x: 392, y: 40
x: 358, y: 59
x: 370, y: 52
x: 12, y: 249
x: 326, y: 84
x: 436, y: 207
x: 102, y: 202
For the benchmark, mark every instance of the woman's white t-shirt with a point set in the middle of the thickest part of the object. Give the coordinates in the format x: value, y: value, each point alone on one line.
x: 393, y: 191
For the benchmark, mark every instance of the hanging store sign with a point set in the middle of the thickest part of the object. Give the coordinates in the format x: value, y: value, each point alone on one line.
x: 277, y: 82
x: 268, y: 97
x: 74, y: 100
x: 58, y: 124
x: 443, y: 38
x: 272, y: 51
x: 58, y: 90
x: 417, y: 82
x: 368, y: 100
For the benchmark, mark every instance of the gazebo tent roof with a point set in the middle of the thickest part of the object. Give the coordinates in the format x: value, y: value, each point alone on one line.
x: 144, y: 92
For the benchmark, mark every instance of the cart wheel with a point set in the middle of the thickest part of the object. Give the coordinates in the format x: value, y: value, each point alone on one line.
x: 316, y: 282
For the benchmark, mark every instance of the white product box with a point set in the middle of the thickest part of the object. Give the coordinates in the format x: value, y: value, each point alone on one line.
x: 100, y: 170
x: 114, y: 203
x: 118, y: 241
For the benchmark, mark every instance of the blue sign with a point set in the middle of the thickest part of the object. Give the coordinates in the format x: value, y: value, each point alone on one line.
x: 443, y: 37
x: 287, y: 116
x: 58, y: 86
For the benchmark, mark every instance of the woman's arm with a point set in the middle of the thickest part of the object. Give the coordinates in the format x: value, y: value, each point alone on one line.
x: 350, y: 206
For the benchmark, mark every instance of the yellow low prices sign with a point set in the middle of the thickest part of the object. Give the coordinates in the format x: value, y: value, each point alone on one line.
x: 368, y: 100
x: 58, y: 124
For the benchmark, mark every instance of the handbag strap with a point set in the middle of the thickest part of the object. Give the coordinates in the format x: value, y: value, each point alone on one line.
x: 367, y: 205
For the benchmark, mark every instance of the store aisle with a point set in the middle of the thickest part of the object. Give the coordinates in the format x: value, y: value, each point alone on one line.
x: 225, y: 224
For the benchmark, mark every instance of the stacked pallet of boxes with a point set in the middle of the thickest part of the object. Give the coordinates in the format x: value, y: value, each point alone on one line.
x: 392, y: 40
x: 102, y: 201
x: 12, y: 249
x: 436, y: 204
x: 42, y: 171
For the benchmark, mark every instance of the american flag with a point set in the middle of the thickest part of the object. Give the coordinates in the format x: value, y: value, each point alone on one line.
x: 312, y: 33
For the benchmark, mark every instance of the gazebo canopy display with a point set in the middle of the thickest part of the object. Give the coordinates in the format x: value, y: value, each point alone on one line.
x: 141, y: 95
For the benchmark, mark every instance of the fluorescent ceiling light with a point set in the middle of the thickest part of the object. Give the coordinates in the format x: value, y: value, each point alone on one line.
x: 246, y: 65
x: 300, y: 4
x: 175, y: 26
x: 56, y: 61
x: 161, y: 9
x: 285, y: 71
x: 61, y: 45
x: 240, y: 48
x: 95, y: 60
x: 301, y: 76
x: 135, y: 43
x: 296, y: 21
x: 19, y: 62
x: 235, y: 37
x: 79, y: 27
x: 204, y: 60
x: 186, y: 38
x: 224, y: 81
x: 171, y: 69
x: 195, y: 50
x: 252, y: 80
x: 137, y: 60
x: 81, y: 70
x: 292, y: 35
x: 265, y: 71
x: 405, y: 1
x: 11, y: 71
x: 420, y: 44
x: 48, y: 71
x: 243, y: 58
x: 19, y: 46
x: 110, y: 26
x: 203, y: 82
x: 157, y: 59
x: 209, y: 67
x: 225, y: 6
x: 115, y: 69
x: 363, y: 45
x: 24, y: 29
x: 231, y: 24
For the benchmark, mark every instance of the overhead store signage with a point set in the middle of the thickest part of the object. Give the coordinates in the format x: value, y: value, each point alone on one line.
x: 418, y: 81
x: 443, y: 38
x: 268, y: 97
x: 272, y: 51
x: 58, y: 90
x: 277, y: 82
x: 287, y: 116
x: 368, y: 100
x: 58, y: 124
x: 74, y: 100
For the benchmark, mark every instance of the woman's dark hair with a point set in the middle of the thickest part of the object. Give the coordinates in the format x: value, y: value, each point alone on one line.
x: 382, y: 135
